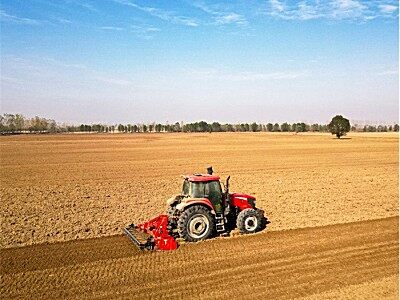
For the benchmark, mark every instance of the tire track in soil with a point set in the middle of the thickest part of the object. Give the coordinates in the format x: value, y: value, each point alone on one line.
x: 284, y: 264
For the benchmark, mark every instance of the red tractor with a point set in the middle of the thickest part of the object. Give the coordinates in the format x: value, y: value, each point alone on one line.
x: 200, y: 211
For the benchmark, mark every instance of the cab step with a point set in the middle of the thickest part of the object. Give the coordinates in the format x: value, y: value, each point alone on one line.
x: 219, y: 222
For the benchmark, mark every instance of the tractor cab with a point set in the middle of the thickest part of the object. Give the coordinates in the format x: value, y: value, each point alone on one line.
x: 204, y: 186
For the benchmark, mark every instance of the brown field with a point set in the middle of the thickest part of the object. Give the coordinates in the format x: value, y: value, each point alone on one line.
x: 340, y: 197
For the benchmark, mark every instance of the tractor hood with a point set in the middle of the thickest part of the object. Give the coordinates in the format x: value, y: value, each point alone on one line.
x: 242, y: 201
x: 243, y: 196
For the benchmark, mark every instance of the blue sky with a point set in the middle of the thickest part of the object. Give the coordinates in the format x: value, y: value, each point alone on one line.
x: 232, y: 61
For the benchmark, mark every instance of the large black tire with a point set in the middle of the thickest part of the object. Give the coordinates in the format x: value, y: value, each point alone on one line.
x: 196, y: 223
x: 249, y: 220
x: 171, y: 212
x: 172, y: 219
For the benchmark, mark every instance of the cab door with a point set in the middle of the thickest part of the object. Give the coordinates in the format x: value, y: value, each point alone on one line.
x: 214, y: 193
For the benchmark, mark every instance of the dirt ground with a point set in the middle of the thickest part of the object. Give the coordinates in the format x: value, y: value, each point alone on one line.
x: 352, y: 261
x: 65, y: 187
x: 72, y: 187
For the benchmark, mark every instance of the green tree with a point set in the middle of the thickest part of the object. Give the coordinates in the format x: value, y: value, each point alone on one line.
x: 254, y: 127
x: 339, y: 126
x: 276, y: 127
x: 52, y: 126
x: 270, y: 127
x: 216, y: 127
x: 396, y: 127
x: 229, y: 127
x: 121, y: 128
x: 19, y: 122
x: 177, y: 127
x: 314, y: 127
x: 285, y: 127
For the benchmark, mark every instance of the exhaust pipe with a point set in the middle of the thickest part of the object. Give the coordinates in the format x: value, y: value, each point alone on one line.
x: 210, y: 170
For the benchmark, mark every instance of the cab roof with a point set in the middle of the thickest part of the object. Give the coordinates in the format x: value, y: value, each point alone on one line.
x: 201, y: 178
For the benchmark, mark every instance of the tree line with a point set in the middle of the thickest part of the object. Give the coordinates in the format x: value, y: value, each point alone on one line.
x: 17, y: 123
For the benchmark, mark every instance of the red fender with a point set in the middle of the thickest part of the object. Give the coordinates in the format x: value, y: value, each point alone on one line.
x: 195, y: 201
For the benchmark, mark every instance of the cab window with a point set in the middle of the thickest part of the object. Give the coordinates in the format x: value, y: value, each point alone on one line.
x: 198, y: 189
x: 213, y: 190
x: 185, y: 188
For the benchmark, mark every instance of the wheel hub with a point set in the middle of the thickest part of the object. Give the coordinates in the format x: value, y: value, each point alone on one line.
x: 251, y: 223
x: 198, y: 226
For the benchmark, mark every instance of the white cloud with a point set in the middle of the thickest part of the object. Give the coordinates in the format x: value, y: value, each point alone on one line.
x: 143, y: 32
x: 231, y: 18
x: 277, y: 6
x: 47, y: 68
x: 81, y: 4
x: 330, y: 9
x: 112, y: 28
x: 348, y: 9
x: 221, y: 17
x: 387, y: 8
x: 63, y: 21
x: 161, y: 14
x: 215, y: 74
x: 5, y: 17
x: 389, y: 72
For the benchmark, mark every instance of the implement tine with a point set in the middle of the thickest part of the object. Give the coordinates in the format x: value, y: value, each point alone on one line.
x: 141, y: 239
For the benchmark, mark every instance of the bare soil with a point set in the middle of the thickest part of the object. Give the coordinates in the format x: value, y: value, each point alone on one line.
x: 340, y: 260
x: 81, y: 190
x: 66, y: 187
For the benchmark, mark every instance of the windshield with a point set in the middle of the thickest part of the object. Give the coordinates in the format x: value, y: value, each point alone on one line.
x: 198, y: 189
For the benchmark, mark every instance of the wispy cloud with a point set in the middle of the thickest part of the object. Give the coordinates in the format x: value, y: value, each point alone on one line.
x: 387, y: 8
x: 144, y: 32
x: 112, y: 28
x: 5, y: 17
x: 161, y: 14
x: 216, y: 74
x: 389, y: 72
x: 141, y: 31
x: 221, y: 17
x: 50, y: 68
x: 82, y: 4
x: 331, y: 9
x: 63, y: 21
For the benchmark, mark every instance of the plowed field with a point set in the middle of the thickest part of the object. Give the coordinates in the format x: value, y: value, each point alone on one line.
x: 85, y: 188
x: 276, y: 265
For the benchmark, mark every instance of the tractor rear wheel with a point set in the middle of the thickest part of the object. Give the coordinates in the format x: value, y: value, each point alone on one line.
x: 195, y: 224
x: 248, y: 221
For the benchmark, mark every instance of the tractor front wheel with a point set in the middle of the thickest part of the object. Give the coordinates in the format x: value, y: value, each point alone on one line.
x: 248, y: 221
x: 195, y: 224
